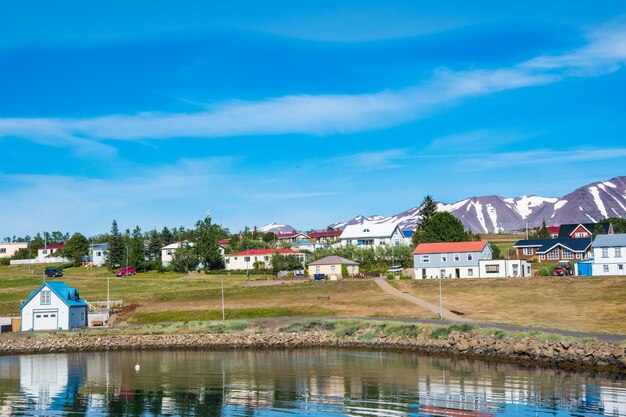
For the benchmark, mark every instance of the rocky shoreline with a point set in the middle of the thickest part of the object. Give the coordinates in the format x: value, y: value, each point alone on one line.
x: 596, y: 356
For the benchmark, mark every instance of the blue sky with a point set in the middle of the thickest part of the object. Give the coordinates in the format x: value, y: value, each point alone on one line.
x: 305, y: 113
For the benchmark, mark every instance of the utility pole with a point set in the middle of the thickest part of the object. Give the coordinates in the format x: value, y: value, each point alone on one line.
x: 440, y: 299
x: 223, y: 315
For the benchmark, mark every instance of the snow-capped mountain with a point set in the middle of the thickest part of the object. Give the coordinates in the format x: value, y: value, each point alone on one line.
x: 276, y: 228
x: 492, y: 214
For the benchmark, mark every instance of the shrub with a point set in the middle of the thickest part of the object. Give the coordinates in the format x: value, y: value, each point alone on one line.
x: 308, y: 326
x: 442, y: 332
x: 5, y: 261
x: 402, y: 330
x: 439, y: 333
x: 347, y: 328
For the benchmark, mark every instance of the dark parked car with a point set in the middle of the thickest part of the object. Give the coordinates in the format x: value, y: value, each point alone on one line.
x: 53, y: 272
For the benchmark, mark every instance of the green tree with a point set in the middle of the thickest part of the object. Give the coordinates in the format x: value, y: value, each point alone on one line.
x: 496, y: 253
x: 136, y: 250
x: 598, y: 230
x: 206, y: 236
x: 116, y: 252
x: 154, y: 248
x: 166, y: 237
x: 75, y: 248
x: 443, y: 227
x: 269, y: 237
x: 427, y: 210
x: 185, y: 259
x: 285, y: 263
x: 542, y: 233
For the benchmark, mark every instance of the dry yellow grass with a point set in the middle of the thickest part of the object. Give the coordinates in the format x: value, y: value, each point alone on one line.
x: 574, y: 303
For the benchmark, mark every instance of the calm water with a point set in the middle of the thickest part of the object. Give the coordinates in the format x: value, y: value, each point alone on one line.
x: 309, y: 382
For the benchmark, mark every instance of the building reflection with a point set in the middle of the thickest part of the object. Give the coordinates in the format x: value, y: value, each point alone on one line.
x: 295, y: 382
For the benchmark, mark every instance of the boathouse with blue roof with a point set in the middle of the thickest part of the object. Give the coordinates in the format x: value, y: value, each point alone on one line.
x: 54, y: 306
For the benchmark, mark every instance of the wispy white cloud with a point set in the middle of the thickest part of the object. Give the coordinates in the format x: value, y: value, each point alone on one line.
x: 324, y: 114
x: 539, y: 157
x: 372, y: 161
x: 477, y: 140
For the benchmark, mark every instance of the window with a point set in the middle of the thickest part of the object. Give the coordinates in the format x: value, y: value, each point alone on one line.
x: 568, y: 254
x: 580, y: 234
x: 442, y: 273
x: 366, y: 230
x: 266, y: 258
x: 425, y: 259
x: 553, y: 254
x: 444, y: 258
x: 45, y: 297
x: 3, y: 250
x: 317, y: 269
x: 578, y: 255
x: 605, y: 268
x: 527, y: 251
x: 492, y: 269
x: 98, y: 253
x: 332, y: 269
x: 365, y: 242
x: 45, y: 251
x: 457, y: 257
x: 620, y: 267
x: 605, y: 252
x: 246, y: 258
x: 470, y: 272
x: 618, y: 252
x: 235, y: 258
x: 542, y: 257
x: 82, y: 316
x: 470, y: 256
x: 227, y: 261
x: 170, y: 251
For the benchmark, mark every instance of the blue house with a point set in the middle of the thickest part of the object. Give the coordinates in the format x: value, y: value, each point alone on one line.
x: 54, y: 306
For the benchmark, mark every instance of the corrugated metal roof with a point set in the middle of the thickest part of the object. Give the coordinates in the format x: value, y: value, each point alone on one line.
x: 67, y: 294
x: 449, y: 247
x: 356, y: 231
x: 545, y: 245
x: 253, y: 252
x: 605, y: 241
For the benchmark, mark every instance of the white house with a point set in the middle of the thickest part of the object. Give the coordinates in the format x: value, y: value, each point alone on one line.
x: 372, y: 235
x: 609, y: 255
x: 167, y: 252
x: 244, y: 260
x: 98, y: 253
x: 8, y: 249
x: 291, y: 237
x: 54, y: 306
x: 501, y: 268
x: 308, y: 246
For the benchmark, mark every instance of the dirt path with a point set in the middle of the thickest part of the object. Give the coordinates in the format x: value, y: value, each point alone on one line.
x: 447, y: 314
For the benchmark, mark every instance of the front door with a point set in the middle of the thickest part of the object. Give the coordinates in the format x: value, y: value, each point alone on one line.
x: 45, y: 319
x: 423, y: 273
x: 457, y: 272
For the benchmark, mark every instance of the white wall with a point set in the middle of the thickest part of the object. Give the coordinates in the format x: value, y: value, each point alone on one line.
x: 8, y: 249
x: 63, y: 312
x: 243, y: 263
x: 506, y: 268
x: 447, y: 272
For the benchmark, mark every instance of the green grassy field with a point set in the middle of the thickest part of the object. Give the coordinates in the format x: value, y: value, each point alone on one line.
x: 569, y: 303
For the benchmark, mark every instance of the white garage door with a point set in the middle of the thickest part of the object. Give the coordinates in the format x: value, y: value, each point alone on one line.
x: 45, y: 320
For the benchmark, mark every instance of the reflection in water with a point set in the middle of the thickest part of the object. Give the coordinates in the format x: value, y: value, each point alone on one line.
x: 309, y: 382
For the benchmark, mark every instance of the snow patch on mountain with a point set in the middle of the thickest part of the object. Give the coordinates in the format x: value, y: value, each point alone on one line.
x: 596, y: 198
x: 276, y: 228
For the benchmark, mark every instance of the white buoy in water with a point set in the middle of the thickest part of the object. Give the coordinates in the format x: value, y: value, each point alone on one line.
x: 137, y: 367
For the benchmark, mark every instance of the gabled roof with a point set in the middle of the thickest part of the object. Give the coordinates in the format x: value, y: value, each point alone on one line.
x: 567, y: 230
x: 331, y: 233
x: 334, y: 260
x: 290, y: 234
x: 546, y: 245
x: 256, y: 252
x: 61, y: 246
x: 177, y: 245
x: 554, y: 229
x: 99, y: 246
x: 605, y: 241
x: 450, y: 247
x: 67, y: 294
x: 223, y: 241
x: 357, y: 231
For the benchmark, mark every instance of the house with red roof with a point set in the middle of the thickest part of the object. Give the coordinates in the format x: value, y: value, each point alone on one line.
x: 464, y: 260
x: 245, y: 260
x: 291, y: 237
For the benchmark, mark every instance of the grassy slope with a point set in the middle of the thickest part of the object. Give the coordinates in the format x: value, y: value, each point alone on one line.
x: 572, y: 303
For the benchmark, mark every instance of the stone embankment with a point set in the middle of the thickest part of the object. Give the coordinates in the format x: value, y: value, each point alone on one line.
x: 602, y: 356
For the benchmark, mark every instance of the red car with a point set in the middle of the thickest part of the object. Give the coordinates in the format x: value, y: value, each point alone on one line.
x: 125, y: 270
